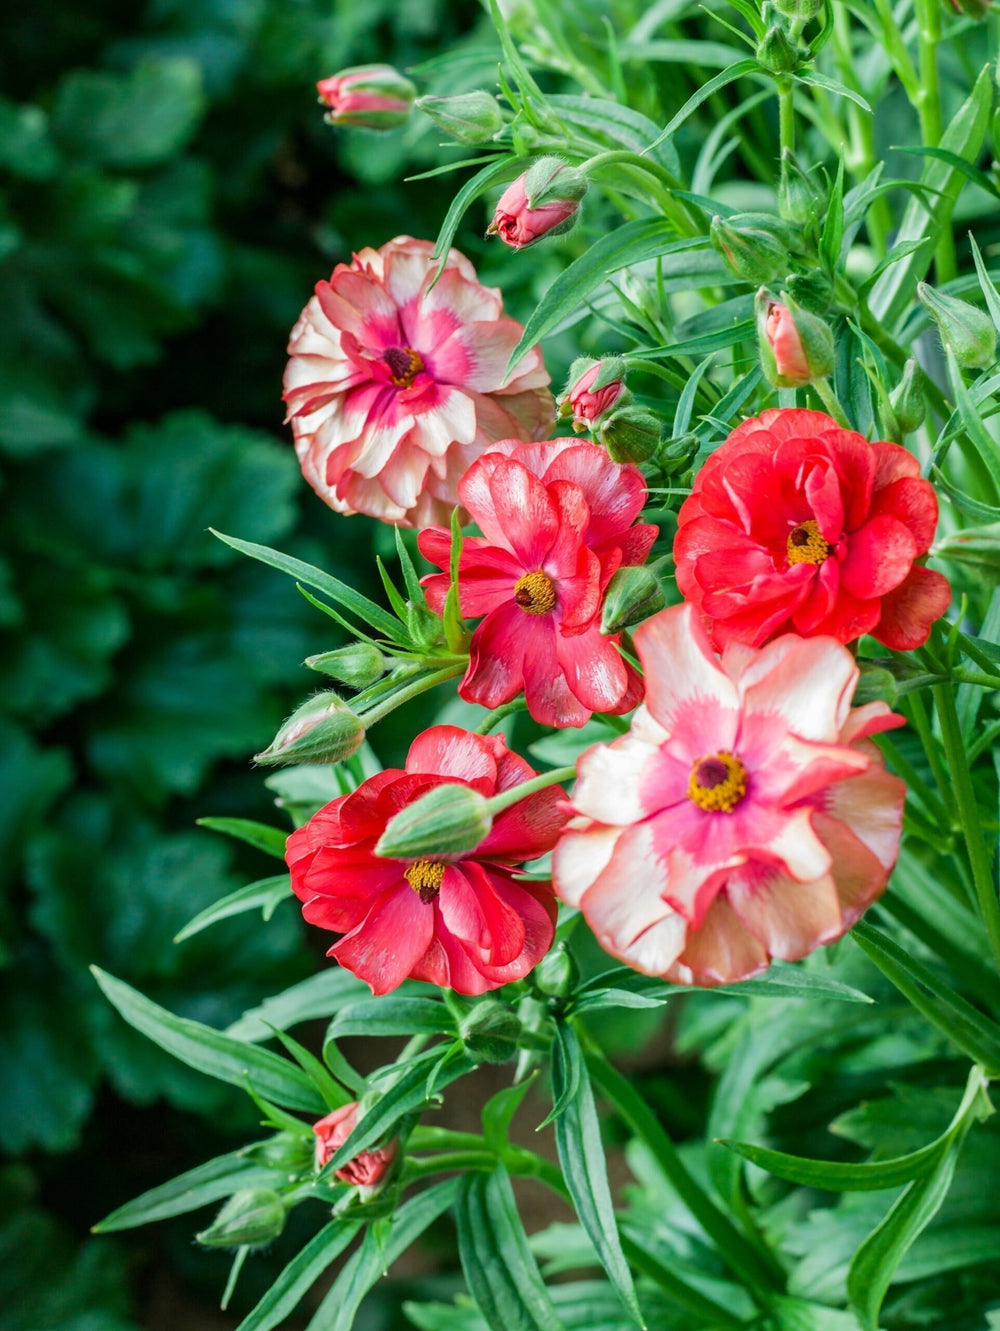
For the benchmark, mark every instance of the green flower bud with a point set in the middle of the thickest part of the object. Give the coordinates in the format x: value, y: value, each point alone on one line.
x: 634, y: 593
x: 285, y: 1152
x: 965, y: 330
x: 754, y: 251
x: 448, y: 820
x: 798, y: 197
x: 424, y: 626
x: 489, y: 1032
x: 907, y: 399
x: 776, y: 54
x: 357, y: 665
x: 631, y: 434
x: 875, y: 684
x: 551, y: 180
x: 556, y: 974
x: 322, y: 730
x: 813, y: 291
x: 675, y: 454
x: 251, y: 1217
x: 795, y: 346
x: 799, y: 11
x: 470, y: 117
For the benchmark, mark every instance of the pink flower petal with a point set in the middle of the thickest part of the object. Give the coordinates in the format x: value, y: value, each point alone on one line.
x: 910, y: 610
x: 808, y: 682
x: 879, y: 556
x: 722, y: 951
x: 679, y: 666
x: 448, y: 751
x: 474, y: 914
x: 790, y: 918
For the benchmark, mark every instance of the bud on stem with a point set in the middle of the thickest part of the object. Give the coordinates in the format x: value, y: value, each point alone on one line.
x: 322, y: 730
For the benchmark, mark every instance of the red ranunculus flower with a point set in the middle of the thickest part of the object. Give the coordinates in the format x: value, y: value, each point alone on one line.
x: 557, y: 523
x: 467, y: 923
x: 796, y: 523
x: 365, y: 1170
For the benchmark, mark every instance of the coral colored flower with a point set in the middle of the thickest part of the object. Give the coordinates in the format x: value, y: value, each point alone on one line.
x: 368, y: 1168
x: 786, y: 345
x: 744, y: 816
x: 543, y: 201
x: 396, y: 383
x: 469, y: 923
x: 369, y: 96
x: 796, y: 523
x: 557, y: 523
x: 585, y: 403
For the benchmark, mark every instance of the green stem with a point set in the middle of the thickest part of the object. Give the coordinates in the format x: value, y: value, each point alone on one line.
x: 928, y: 15
x: 899, y: 357
x: 786, y: 115
x: 413, y: 690
x: 508, y: 797
x: 862, y: 158
x: 922, y: 725
x: 827, y: 396
x: 495, y: 717
x: 979, y: 677
x: 968, y: 812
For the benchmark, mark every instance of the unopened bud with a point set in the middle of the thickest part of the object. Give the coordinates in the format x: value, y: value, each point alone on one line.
x: 285, y: 1151
x: 631, y: 434
x: 490, y: 1030
x: 470, y: 117
x: 250, y: 1218
x: 776, y: 53
x: 753, y: 245
x: 799, y: 11
x: 798, y: 197
x: 634, y: 593
x: 541, y: 202
x: 965, y: 329
x: 451, y: 819
x: 795, y: 346
x: 674, y: 455
x: 367, y: 96
x: 593, y: 388
x: 556, y: 973
x: 423, y: 625
x: 358, y: 665
x: 907, y: 399
x: 813, y: 290
x: 875, y: 683
x: 322, y: 730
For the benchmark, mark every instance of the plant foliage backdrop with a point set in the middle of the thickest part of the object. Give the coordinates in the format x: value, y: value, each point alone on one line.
x: 758, y: 244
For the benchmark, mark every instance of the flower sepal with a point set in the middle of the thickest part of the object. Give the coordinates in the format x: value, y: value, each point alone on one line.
x: 323, y: 730
x: 252, y: 1217
x: 448, y: 820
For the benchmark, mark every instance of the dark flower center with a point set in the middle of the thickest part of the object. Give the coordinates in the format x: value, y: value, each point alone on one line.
x: 535, y: 593
x: 806, y: 544
x: 404, y: 365
x: 718, y: 782
x: 425, y: 876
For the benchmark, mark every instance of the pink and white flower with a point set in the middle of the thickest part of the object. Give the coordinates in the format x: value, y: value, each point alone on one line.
x: 398, y: 381
x: 745, y: 816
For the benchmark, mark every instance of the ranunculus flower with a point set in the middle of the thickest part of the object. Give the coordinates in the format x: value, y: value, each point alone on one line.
x: 368, y: 1168
x: 586, y: 403
x: 541, y: 202
x: 796, y: 523
x: 795, y: 346
x: 745, y: 816
x: 468, y: 922
x: 397, y: 383
x: 557, y: 523
x: 368, y: 96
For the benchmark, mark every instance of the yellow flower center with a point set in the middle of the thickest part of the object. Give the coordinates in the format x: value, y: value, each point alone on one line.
x: 425, y: 876
x: 806, y: 544
x: 404, y: 364
x: 535, y: 593
x: 717, y: 782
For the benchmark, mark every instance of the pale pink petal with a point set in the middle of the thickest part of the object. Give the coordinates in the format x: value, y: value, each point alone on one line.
x: 871, y: 806
x: 722, y: 951
x: 580, y: 857
x: 679, y: 666
x: 808, y: 682
x: 611, y: 778
x: 790, y: 918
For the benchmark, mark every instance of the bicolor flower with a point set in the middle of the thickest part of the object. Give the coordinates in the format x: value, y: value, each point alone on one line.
x: 398, y: 381
x: 745, y: 816
x: 557, y: 522
x: 798, y: 524
x: 467, y: 922
x: 367, y: 96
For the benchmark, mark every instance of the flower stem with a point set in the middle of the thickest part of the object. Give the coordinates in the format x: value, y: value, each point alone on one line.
x: 420, y: 685
x: 500, y: 714
x: 829, y: 400
x: 928, y: 15
x: 508, y: 797
x: 968, y: 812
x: 786, y: 115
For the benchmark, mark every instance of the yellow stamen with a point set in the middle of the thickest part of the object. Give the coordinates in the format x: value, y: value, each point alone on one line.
x: 806, y: 544
x: 535, y: 593
x: 425, y: 876
x: 718, y: 782
x: 405, y: 364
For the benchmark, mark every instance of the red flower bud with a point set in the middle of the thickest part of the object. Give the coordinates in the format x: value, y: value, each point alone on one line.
x: 368, y: 1168
x: 796, y: 347
x: 369, y: 96
x: 593, y: 390
x: 542, y: 201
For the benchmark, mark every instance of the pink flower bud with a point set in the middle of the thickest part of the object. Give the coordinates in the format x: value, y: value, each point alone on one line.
x: 784, y: 341
x: 588, y: 403
x: 369, y: 96
x: 368, y: 1168
x: 542, y: 201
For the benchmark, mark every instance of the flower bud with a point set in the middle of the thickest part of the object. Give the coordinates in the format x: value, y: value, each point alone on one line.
x: 251, y: 1217
x: 541, y: 202
x: 594, y: 387
x: 965, y: 330
x: 422, y: 624
x: 322, y: 730
x: 753, y: 245
x: 358, y: 665
x: 631, y: 434
x: 634, y: 593
x: 907, y: 399
x: 776, y: 53
x: 556, y: 973
x: 489, y: 1031
x: 675, y: 454
x: 285, y: 1151
x: 874, y: 683
x: 795, y: 346
x: 449, y: 820
x: 799, y: 11
x: 368, y: 1169
x: 367, y: 96
x: 470, y: 117
x: 798, y: 197
x: 813, y: 290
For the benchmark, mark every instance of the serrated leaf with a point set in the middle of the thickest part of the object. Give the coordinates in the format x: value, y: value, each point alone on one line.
x: 209, y: 1051
x: 197, y: 1187
x: 265, y: 895
x: 299, y: 1276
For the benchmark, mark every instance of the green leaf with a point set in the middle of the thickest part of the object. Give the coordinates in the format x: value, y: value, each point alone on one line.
x: 271, y: 840
x: 989, y: 290
x: 367, y: 611
x: 500, y: 1271
x: 319, y: 996
x: 209, y: 1051
x: 584, y: 1166
x: 616, y: 123
x: 976, y: 432
x: 833, y: 225
x: 967, y: 169
x: 499, y: 1110
x: 200, y: 1186
x: 387, y: 1015
x: 384, y: 1241
x: 266, y: 895
x: 299, y: 1276
x: 498, y: 172
x: 834, y: 1175
x: 817, y: 80
x: 706, y: 90
x: 334, y: 1094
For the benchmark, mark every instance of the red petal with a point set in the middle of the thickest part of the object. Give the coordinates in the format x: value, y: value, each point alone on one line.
x: 384, y: 949
x: 448, y: 751
x: 879, y: 556
x: 910, y: 610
